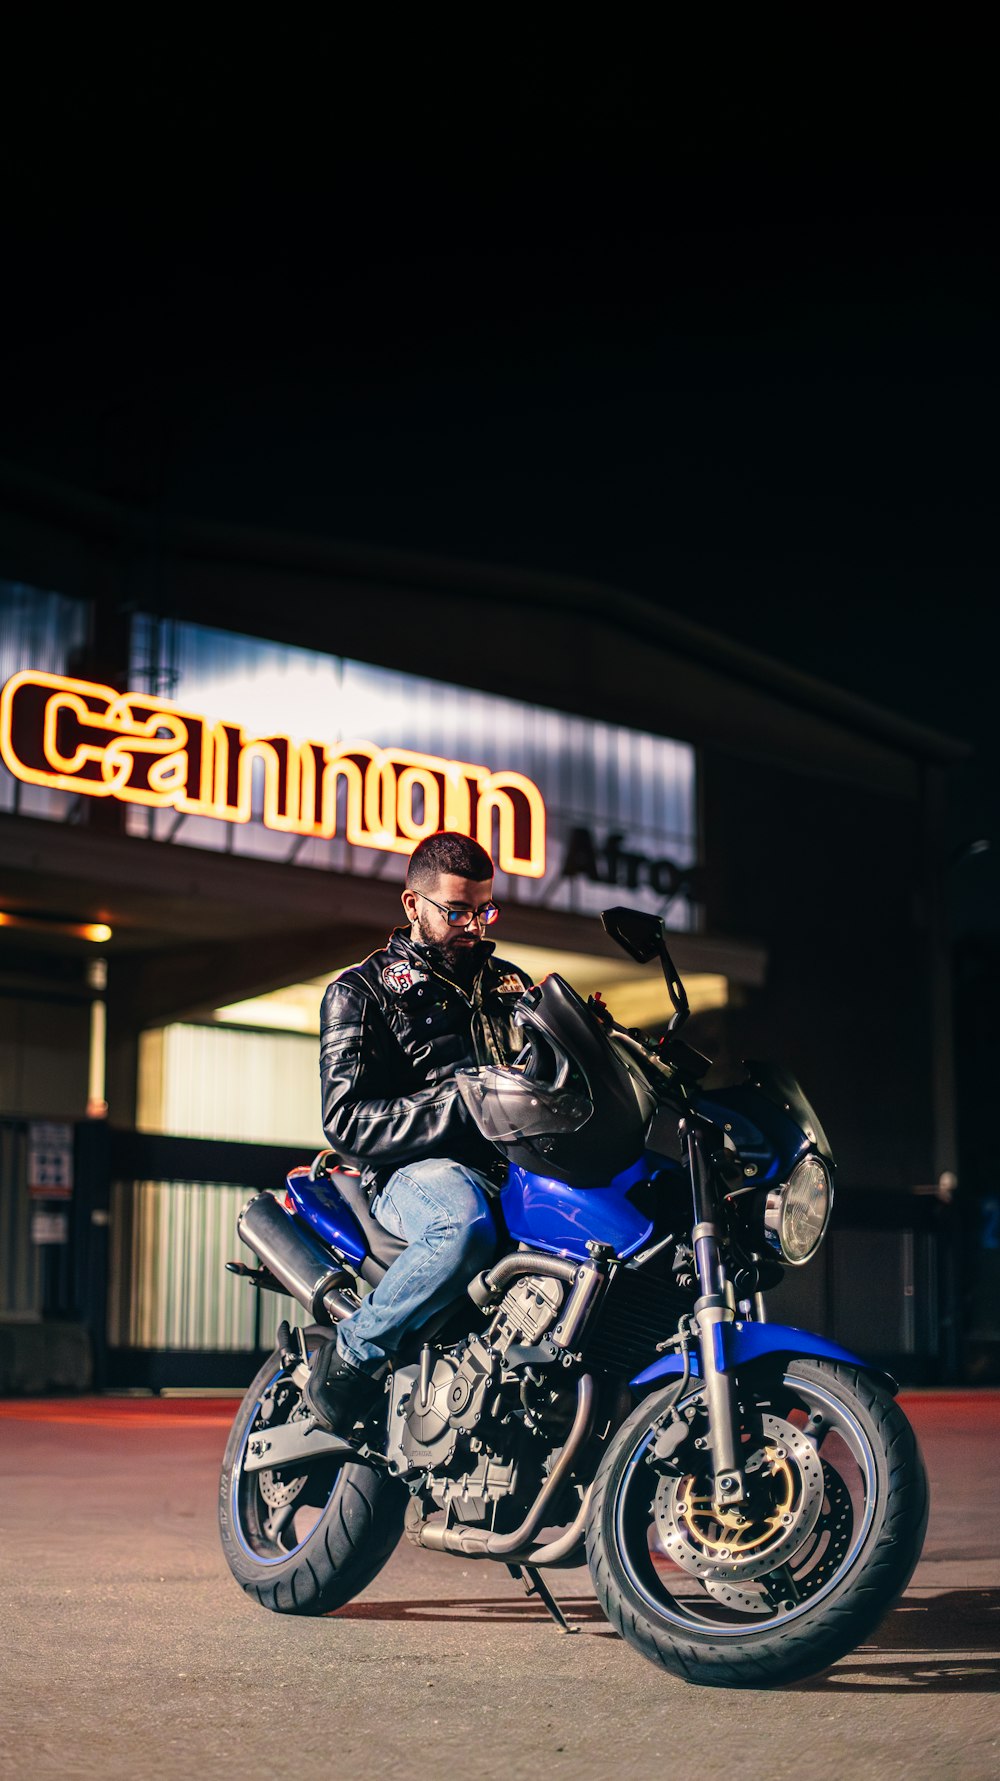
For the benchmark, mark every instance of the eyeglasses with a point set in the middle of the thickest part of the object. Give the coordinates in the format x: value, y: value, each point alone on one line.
x: 464, y: 918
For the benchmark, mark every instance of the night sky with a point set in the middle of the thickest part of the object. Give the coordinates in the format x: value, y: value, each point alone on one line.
x: 722, y: 336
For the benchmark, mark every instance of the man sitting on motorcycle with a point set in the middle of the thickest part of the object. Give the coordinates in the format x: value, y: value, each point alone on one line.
x: 394, y: 1031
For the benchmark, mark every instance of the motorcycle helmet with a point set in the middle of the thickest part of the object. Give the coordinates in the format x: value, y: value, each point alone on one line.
x: 567, y: 1108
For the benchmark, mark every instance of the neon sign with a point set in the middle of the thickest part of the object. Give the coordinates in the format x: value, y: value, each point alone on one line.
x: 77, y: 736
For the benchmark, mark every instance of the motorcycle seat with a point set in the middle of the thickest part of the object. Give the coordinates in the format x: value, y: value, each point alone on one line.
x: 382, y: 1246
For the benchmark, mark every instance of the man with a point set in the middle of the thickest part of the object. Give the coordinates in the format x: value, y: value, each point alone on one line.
x: 394, y: 1031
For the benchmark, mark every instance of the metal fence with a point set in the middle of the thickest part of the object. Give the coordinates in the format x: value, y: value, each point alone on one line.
x: 167, y: 1282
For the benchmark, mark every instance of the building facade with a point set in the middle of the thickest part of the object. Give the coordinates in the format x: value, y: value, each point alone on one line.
x: 217, y: 750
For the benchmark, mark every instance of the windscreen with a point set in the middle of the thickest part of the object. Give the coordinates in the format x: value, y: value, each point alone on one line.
x: 781, y: 1087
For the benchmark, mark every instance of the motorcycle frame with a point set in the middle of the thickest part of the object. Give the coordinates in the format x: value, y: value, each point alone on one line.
x: 551, y: 1219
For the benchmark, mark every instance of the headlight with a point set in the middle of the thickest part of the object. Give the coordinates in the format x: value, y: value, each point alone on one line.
x: 797, y: 1214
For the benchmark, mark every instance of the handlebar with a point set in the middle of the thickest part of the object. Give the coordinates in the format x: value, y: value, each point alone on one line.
x: 646, y: 1051
x: 679, y: 1062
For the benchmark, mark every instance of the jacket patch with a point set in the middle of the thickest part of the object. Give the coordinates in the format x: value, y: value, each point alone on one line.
x: 511, y: 984
x: 400, y: 978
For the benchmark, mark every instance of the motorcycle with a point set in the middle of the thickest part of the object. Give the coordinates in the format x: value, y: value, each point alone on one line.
x: 749, y: 1497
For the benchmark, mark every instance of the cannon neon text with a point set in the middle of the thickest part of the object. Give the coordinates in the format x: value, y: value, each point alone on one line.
x: 79, y: 736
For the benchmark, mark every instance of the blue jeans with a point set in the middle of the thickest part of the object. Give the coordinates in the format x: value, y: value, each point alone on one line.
x: 443, y: 1212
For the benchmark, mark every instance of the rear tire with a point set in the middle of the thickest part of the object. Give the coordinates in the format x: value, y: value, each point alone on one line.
x: 689, y: 1611
x: 302, y: 1545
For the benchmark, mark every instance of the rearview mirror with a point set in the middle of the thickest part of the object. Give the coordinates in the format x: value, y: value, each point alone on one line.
x: 639, y: 934
x: 643, y: 937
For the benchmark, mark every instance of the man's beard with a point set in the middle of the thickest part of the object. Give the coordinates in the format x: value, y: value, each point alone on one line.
x: 459, y: 960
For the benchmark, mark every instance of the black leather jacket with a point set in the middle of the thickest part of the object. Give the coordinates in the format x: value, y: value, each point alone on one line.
x: 393, y: 1032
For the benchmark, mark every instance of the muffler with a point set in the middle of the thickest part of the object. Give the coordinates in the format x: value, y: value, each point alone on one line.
x: 296, y: 1258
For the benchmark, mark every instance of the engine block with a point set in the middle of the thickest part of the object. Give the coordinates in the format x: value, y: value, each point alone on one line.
x: 460, y: 1432
x: 526, y: 1310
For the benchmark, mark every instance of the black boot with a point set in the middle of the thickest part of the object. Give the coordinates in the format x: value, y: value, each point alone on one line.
x: 337, y: 1393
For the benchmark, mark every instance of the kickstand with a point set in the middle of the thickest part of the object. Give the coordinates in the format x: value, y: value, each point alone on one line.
x: 533, y: 1585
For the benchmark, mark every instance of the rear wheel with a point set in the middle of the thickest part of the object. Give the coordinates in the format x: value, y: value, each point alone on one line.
x: 305, y: 1543
x: 828, y: 1537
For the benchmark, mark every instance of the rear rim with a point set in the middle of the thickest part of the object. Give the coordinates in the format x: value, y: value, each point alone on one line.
x: 275, y: 1513
x: 814, y: 1483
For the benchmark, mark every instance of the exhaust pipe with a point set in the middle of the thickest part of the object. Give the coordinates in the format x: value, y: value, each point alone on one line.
x: 296, y: 1258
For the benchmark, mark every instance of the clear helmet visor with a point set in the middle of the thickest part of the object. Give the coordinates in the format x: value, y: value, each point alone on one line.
x: 506, y: 1105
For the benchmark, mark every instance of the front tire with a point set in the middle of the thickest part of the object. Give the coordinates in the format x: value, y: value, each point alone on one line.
x: 805, y: 1575
x: 306, y: 1544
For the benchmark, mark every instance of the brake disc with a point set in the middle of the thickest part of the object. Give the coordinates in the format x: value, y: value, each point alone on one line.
x: 726, y: 1546
x: 281, y: 1487
x: 815, y: 1562
x: 837, y: 1523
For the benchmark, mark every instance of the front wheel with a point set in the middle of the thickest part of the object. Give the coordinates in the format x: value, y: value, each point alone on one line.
x: 306, y: 1543
x: 800, y: 1573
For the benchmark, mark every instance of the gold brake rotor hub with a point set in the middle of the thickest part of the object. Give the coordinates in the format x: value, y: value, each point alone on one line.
x: 722, y: 1532
x: 706, y: 1538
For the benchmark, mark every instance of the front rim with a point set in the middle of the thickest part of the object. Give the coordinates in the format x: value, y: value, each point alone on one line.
x: 815, y: 1490
x: 275, y: 1513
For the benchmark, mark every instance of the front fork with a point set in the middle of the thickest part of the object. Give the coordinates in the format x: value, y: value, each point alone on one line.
x: 711, y: 1311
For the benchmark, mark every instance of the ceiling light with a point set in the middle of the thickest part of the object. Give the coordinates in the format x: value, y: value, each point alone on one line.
x: 97, y: 931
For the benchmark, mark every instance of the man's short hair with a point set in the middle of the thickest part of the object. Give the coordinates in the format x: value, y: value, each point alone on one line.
x: 447, y: 852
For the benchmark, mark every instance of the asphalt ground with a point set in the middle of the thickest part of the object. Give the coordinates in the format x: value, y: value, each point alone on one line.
x: 130, y: 1651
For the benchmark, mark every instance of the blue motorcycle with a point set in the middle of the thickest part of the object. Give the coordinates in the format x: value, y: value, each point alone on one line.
x: 749, y: 1497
